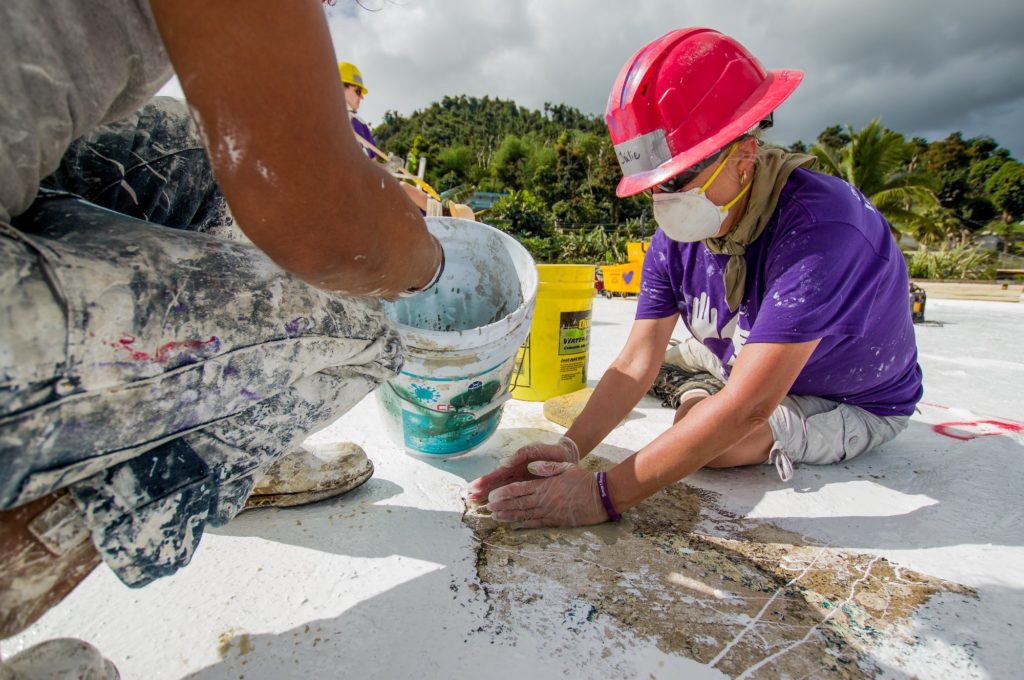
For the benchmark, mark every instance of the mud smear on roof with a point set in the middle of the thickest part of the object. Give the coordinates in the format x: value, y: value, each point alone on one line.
x: 741, y: 595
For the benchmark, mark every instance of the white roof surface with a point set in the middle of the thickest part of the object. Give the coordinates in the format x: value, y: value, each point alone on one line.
x: 908, y: 561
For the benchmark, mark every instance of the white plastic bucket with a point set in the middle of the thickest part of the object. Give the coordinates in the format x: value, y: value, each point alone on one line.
x: 461, y: 338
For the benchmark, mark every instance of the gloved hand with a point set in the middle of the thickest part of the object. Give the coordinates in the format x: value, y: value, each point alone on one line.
x: 565, y: 495
x: 460, y: 210
x: 514, y: 468
x: 395, y: 164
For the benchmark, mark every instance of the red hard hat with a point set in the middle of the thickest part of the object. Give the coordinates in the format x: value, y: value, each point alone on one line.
x: 683, y: 97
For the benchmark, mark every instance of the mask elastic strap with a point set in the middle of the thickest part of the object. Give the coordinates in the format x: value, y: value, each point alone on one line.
x: 721, y: 166
x: 730, y: 204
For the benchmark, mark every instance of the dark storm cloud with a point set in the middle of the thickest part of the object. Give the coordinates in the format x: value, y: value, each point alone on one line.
x: 923, y: 72
x: 924, y: 69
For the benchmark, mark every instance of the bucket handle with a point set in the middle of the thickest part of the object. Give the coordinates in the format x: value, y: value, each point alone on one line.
x: 475, y: 412
x: 514, y: 383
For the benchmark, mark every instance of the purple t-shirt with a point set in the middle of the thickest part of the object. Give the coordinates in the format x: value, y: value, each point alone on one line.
x: 826, y: 266
x: 363, y: 130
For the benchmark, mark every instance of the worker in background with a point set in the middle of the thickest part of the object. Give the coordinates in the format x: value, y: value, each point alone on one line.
x: 433, y: 206
x: 789, y: 281
x: 151, y: 374
x: 355, y: 90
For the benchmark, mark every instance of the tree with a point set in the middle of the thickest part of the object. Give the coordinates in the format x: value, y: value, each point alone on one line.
x: 1006, y: 189
x: 877, y: 161
x: 508, y: 166
x: 521, y: 214
x: 543, y: 168
x: 937, y: 226
x: 586, y: 172
x: 939, y: 191
x: 451, y: 167
x: 834, y: 137
x: 961, y: 167
x: 979, y: 172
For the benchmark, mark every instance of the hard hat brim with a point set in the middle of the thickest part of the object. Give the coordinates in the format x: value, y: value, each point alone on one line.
x: 777, y: 87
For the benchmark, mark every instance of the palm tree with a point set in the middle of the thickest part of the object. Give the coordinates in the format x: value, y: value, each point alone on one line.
x: 877, y: 161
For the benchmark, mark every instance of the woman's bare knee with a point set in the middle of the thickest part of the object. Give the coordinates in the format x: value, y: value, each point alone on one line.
x: 751, y: 450
x: 688, y: 402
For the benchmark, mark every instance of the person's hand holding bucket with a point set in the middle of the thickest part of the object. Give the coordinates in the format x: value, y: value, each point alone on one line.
x: 461, y: 337
x: 433, y: 280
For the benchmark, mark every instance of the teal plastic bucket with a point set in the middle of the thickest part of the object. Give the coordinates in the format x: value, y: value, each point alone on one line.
x: 461, y: 338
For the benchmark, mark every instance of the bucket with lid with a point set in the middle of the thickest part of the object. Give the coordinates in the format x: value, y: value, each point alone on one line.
x: 461, y: 337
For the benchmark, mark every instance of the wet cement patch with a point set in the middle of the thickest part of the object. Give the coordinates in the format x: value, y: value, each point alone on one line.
x: 743, y: 596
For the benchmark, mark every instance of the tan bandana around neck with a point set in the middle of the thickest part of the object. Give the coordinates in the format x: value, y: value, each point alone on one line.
x: 771, y: 172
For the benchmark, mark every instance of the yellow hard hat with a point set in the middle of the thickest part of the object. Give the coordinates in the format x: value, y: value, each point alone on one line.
x: 350, y: 75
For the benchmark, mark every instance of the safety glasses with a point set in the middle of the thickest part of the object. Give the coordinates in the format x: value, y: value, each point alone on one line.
x: 674, y: 184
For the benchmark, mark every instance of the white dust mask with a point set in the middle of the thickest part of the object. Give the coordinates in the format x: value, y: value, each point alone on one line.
x: 690, y: 216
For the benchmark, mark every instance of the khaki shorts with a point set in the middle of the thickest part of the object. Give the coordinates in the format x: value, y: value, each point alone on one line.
x: 819, y: 431
x: 807, y: 429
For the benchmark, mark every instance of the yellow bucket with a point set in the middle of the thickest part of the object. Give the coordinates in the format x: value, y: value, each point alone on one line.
x: 553, y: 360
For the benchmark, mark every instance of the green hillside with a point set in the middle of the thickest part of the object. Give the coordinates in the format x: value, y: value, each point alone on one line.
x: 558, y: 172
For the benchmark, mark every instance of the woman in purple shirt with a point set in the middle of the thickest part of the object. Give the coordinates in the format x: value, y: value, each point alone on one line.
x: 789, y: 281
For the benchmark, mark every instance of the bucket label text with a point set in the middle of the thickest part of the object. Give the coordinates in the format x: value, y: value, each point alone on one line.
x: 574, y: 332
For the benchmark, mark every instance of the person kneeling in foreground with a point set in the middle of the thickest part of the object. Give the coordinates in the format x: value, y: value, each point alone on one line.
x: 156, y: 379
x: 789, y: 279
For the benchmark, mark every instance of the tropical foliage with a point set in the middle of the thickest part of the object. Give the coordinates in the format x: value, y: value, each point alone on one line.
x: 960, y: 261
x: 879, y: 162
x: 558, y: 172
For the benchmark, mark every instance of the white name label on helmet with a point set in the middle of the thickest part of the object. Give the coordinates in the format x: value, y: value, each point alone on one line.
x: 642, y: 153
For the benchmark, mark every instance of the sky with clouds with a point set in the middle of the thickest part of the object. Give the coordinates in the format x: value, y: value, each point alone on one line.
x: 925, y: 68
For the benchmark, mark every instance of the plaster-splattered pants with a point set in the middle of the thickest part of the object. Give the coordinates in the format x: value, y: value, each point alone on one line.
x: 152, y: 368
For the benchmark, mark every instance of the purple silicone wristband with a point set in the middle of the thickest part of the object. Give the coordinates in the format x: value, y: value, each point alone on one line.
x: 606, y: 500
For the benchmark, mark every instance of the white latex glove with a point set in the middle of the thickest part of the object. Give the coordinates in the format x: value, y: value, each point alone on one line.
x: 514, y: 468
x: 564, y: 495
x: 395, y: 164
